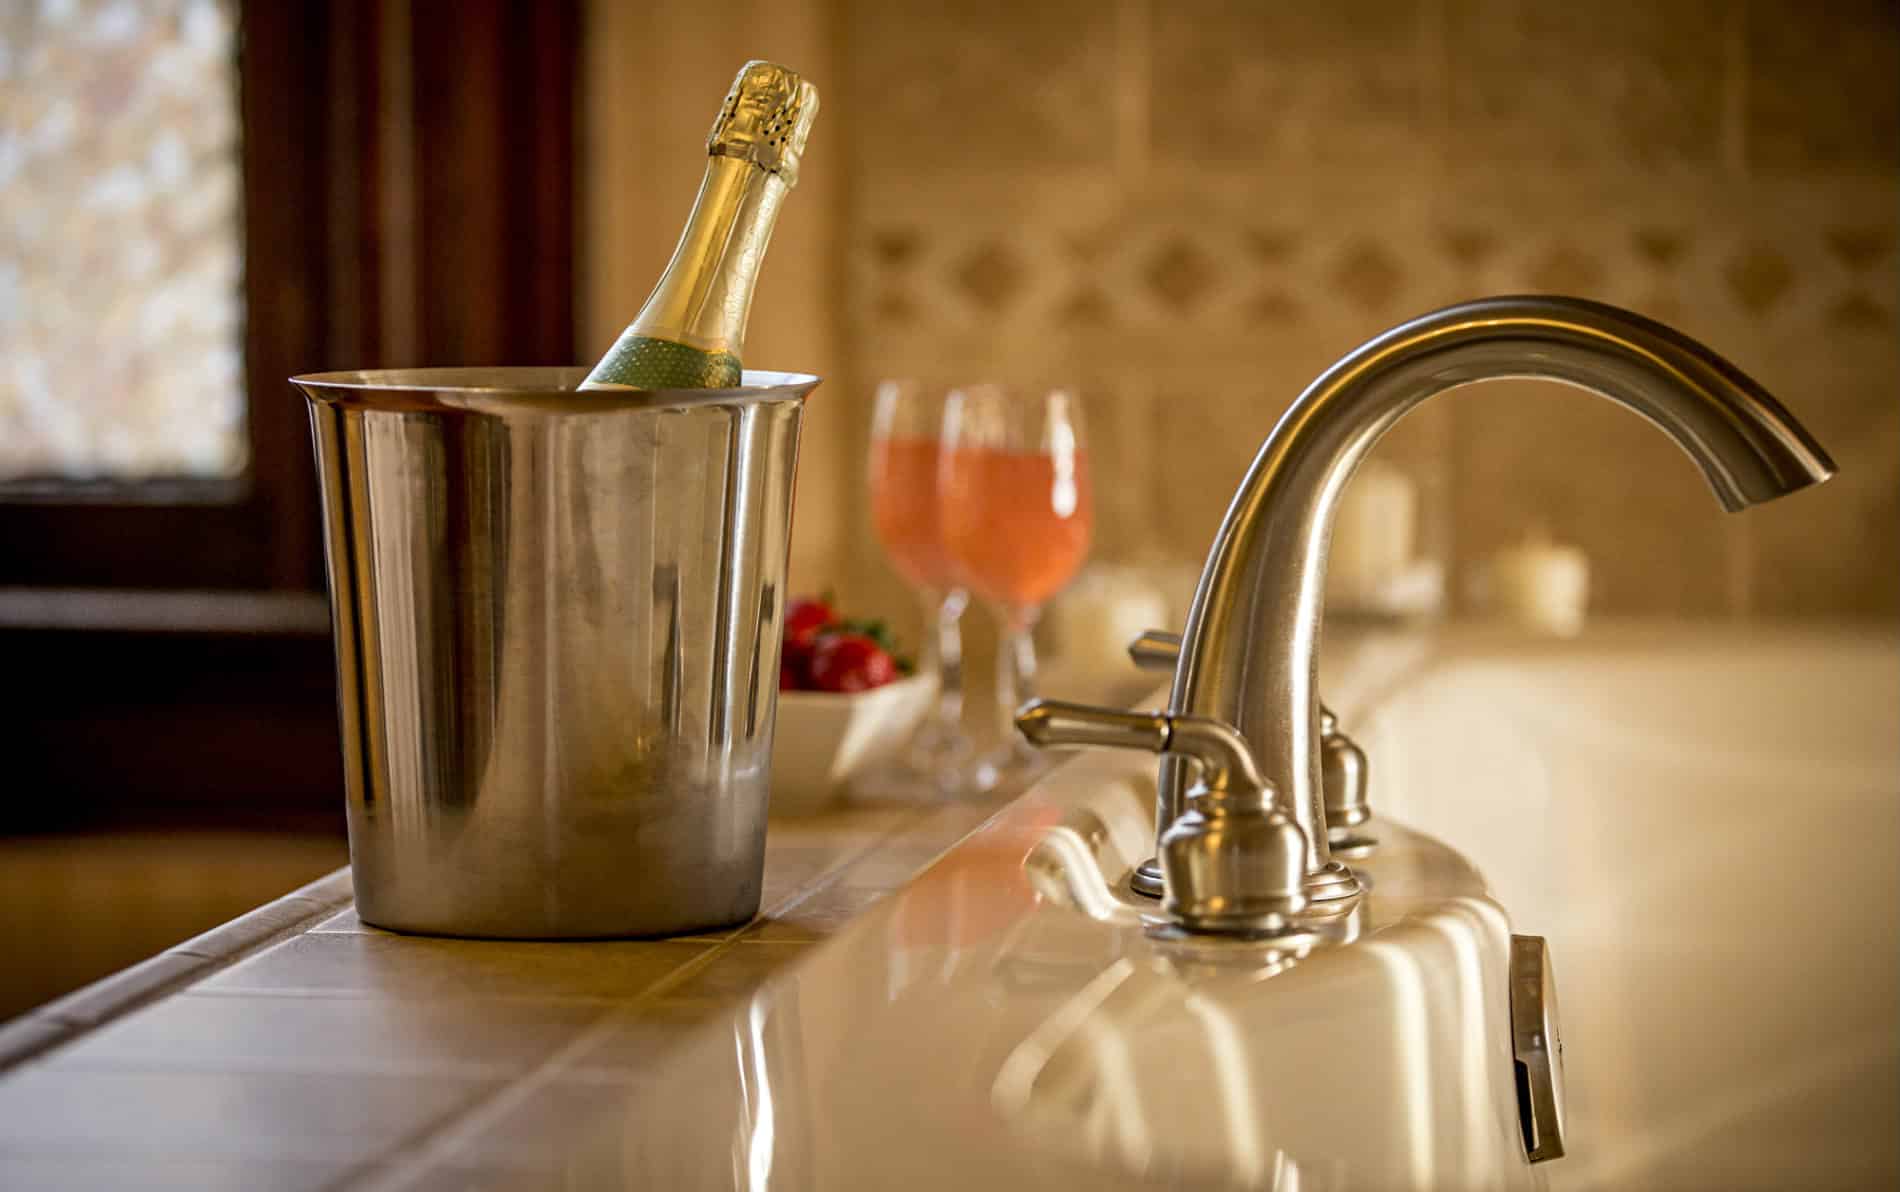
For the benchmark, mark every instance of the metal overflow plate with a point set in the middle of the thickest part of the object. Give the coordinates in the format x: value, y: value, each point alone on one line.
x: 1537, y: 1048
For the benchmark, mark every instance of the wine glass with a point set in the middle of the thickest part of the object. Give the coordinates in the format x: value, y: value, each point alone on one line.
x: 1015, y: 515
x: 906, y: 425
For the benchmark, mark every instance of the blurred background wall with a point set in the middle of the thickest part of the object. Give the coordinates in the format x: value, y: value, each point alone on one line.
x: 1190, y: 208
x: 1185, y: 209
x: 199, y: 199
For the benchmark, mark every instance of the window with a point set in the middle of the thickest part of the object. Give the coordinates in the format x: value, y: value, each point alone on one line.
x: 120, y: 243
x: 237, y: 191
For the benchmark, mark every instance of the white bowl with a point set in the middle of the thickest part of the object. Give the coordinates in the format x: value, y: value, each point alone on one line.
x: 824, y: 739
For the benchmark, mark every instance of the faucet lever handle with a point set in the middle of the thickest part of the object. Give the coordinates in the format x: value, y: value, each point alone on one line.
x: 1227, y: 766
x: 1235, y: 861
x: 1155, y: 650
x: 1045, y: 722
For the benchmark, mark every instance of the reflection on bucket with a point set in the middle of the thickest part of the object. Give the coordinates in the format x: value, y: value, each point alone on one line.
x: 557, y: 631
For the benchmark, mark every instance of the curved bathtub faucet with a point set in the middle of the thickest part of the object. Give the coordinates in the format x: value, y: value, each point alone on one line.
x: 1250, y: 651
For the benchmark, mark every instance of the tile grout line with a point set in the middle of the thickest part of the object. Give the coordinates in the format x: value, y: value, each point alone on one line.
x: 416, y: 1156
x: 828, y: 878
x: 39, y: 1031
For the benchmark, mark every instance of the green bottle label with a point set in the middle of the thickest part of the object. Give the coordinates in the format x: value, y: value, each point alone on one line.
x: 642, y: 362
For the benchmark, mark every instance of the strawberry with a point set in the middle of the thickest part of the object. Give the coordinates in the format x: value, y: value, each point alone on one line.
x: 850, y: 662
x: 805, y: 619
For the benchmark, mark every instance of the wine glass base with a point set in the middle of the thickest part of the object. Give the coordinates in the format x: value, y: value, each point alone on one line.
x: 1012, y: 763
x: 934, y: 767
x: 898, y: 782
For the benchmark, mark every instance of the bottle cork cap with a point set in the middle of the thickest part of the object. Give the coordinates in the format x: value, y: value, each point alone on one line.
x: 765, y: 119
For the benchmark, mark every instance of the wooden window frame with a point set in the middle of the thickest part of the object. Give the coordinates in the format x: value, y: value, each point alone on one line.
x: 408, y: 199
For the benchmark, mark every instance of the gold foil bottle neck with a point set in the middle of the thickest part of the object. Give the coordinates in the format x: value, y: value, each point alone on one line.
x: 765, y: 119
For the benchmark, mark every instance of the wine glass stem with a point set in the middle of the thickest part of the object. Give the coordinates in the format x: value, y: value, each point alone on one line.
x: 1015, y: 667
x: 943, y: 652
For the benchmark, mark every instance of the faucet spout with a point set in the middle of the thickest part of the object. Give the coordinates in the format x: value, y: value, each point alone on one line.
x: 1249, y: 655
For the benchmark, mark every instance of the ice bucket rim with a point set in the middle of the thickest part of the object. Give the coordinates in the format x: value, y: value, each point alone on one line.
x: 529, y: 389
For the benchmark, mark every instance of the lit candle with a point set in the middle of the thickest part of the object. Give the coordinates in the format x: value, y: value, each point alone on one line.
x: 1108, y: 607
x: 1541, y: 585
x: 1373, y: 533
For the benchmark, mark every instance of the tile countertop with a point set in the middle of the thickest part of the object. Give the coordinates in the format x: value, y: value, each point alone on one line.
x: 298, y: 1048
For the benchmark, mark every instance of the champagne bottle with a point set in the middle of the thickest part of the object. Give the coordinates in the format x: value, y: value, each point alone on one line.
x: 691, y: 331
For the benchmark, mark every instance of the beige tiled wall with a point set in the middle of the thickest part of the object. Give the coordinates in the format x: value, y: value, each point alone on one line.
x: 1192, y: 207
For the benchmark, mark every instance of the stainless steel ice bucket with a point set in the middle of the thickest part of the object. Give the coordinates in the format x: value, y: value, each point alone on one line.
x: 557, y: 639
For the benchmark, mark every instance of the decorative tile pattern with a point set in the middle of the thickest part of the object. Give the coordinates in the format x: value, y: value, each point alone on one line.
x: 120, y: 332
x: 1368, y: 276
x: 1236, y: 81
x: 1758, y: 277
x: 990, y: 276
x: 1857, y: 311
x: 1623, y: 83
x: 1179, y: 274
x: 1860, y: 248
x: 1317, y: 173
x: 1821, y: 91
x: 1469, y: 247
x: 1193, y: 274
x: 939, y: 86
x: 1566, y: 269
x: 1661, y: 247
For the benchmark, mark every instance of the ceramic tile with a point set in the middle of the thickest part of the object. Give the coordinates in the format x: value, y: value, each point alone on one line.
x: 666, y: 1132
x: 566, y: 1136
x: 1758, y: 277
x: 544, y: 1127
x: 142, y: 892
x: 388, y: 965
x: 950, y: 823
x: 44, y: 1172
x: 27, y: 1035
x: 817, y: 917
x: 105, y: 998
x: 346, y: 922
x: 1833, y: 547
x: 985, y: 84
x: 1619, y: 83
x: 887, y: 867
x: 1255, y: 83
x: 1727, y: 168
x: 738, y: 970
x: 792, y: 870
x: 1821, y: 88
x: 273, y: 918
x: 840, y: 830
x: 591, y: 1128
x: 475, y: 1176
x: 628, y: 1045
x: 239, y: 1032
x: 321, y: 1117
x: 1535, y: 456
x: 1208, y: 435
x: 989, y: 275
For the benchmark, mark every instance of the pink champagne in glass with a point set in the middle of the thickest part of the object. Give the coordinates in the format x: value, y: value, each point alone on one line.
x: 1015, y: 512
x: 903, y: 473
x: 1017, y: 521
x: 904, y: 510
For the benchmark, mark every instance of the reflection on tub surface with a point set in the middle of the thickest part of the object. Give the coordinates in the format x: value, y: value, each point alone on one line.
x: 1705, y: 826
